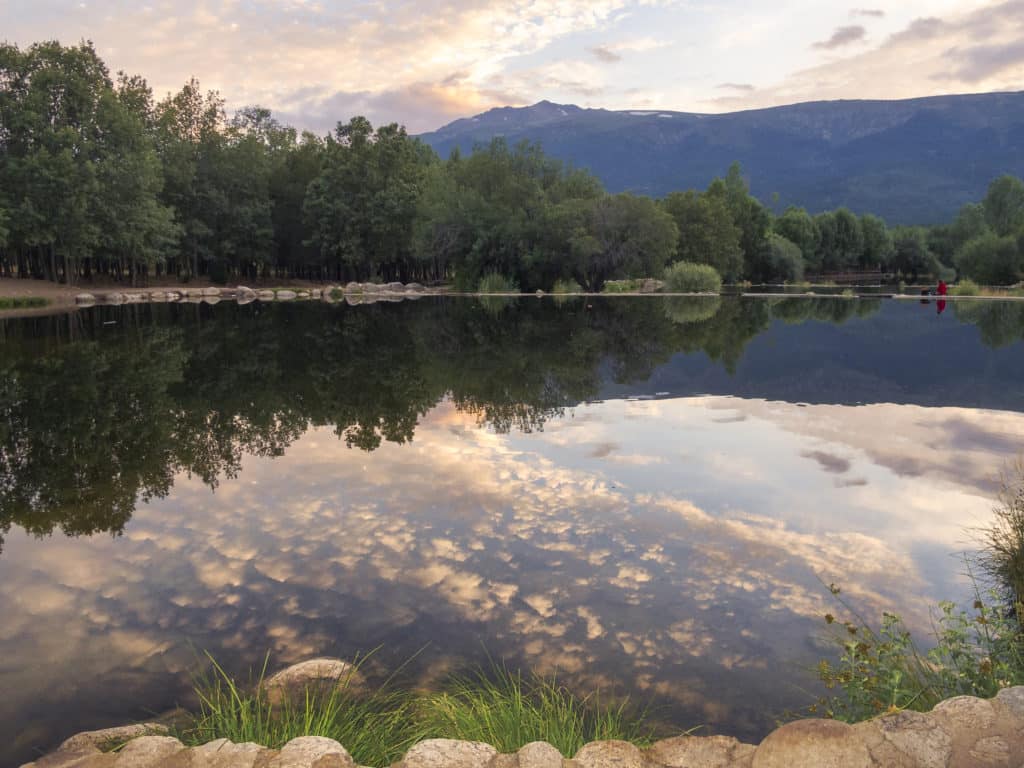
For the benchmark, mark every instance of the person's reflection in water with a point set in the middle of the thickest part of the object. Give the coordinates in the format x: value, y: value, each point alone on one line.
x: 940, y: 306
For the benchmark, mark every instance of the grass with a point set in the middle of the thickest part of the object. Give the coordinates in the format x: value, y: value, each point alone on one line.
x: 685, y: 277
x: 23, y: 302
x: 509, y: 710
x: 377, y: 726
x: 967, y: 287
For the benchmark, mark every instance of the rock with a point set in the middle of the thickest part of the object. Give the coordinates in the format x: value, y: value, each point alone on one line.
x: 157, y: 296
x: 303, y: 752
x: 395, y: 287
x: 265, y: 295
x: 245, y: 298
x: 193, y: 292
x: 1011, y: 700
x: 651, y: 286
x: 211, y: 299
x: 134, y: 298
x: 302, y: 294
x: 285, y: 295
x: 993, y: 751
x: 323, y: 673
x: 447, y: 753
x: 67, y: 758
x: 114, y: 298
x: 540, y: 293
x: 908, y: 739
x: 173, y: 296
x: 354, y: 288
x: 372, y: 287
x: 610, y: 754
x: 414, y: 288
x: 112, y: 737
x: 147, y: 751
x: 316, y: 293
x: 705, y: 751
x: 505, y: 761
x: 965, y: 717
x: 211, y: 291
x: 245, y: 289
x: 85, y: 298
x: 224, y: 754
x: 539, y: 754
x: 813, y: 744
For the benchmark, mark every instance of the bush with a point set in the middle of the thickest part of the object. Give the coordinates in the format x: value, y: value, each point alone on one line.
x: 495, y: 282
x: 965, y: 287
x: 566, y: 286
x: 684, y: 310
x: 991, y: 260
x: 686, y: 277
x: 20, y: 302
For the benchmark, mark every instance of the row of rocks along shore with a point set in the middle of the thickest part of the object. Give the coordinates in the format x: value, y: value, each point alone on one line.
x: 353, y: 293
x: 963, y: 732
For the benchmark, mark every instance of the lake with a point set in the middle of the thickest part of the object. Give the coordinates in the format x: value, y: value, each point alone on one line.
x: 644, y: 495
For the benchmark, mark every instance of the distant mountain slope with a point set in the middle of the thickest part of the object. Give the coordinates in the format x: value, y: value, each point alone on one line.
x: 913, y: 162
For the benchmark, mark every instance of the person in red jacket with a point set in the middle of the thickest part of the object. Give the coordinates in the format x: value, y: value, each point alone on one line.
x: 943, y: 288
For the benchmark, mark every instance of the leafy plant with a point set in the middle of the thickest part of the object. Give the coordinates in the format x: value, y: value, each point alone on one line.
x: 22, y: 302
x: 965, y: 287
x: 686, y: 277
x: 566, y: 286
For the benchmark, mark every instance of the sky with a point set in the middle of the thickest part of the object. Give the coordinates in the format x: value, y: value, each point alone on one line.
x: 426, y: 63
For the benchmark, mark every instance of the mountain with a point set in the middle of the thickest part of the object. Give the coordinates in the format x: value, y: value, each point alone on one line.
x: 914, y: 161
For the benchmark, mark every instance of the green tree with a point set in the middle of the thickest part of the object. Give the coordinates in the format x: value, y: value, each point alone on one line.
x: 707, y: 234
x: 911, y: 256
x: 991, y: 260
x: 778, y: 261
x: 797, y: 226
x: 878, y: 247
x: 1004, y: 205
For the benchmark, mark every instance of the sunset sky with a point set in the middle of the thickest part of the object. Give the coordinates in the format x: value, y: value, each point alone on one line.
x: 425, y: 63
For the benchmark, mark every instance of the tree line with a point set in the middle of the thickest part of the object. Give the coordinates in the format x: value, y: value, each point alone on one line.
x: 99, y: 178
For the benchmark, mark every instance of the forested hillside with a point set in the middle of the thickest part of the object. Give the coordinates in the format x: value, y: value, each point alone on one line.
x: 97, y: 177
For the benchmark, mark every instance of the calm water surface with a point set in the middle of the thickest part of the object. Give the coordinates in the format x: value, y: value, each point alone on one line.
x: 644, y: 495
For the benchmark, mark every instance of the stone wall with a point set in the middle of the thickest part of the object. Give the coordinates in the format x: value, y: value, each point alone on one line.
x: 353, y: 293
x: 964, y: 732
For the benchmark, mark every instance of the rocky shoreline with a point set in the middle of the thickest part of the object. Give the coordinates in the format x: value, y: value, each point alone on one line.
x: 352, y: 293
x: 962, y: 732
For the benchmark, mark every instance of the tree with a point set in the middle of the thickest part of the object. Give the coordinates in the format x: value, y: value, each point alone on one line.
x: 1004, y: 206
x: 911, y: 256
x: 878, y: 247
x: 778, y: 261
x: 626, y: 235
x: 707, y: 234
x: 991, y: 260
x: 750, y: 217
x: 797, y: 226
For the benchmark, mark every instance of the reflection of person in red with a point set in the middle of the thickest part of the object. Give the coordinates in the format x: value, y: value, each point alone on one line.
x: 943, y: 288
x: 940, y: 306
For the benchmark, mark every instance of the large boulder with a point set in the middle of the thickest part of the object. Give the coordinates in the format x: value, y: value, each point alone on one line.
x: 265, y: 295
x: 85, y: 298
x: 321, y: 674
x: 225, y: 754
x: 813, y: 744
x: 906, y: 740
x: 610, y: 754
x: 307, y: 751
x: 354, y: 288
x: 108, y: 738
x: 414, y: 288
x: 147, y: 752
x: 539, y: 754
x: 285, y: 295
x: 448, y: 753
x: 705, y: 751
x: 211, y: 291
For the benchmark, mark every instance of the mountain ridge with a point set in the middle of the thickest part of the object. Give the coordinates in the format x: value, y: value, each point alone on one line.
x: 913, y: 161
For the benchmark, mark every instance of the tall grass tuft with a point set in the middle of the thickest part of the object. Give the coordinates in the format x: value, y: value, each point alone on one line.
x: 509, y: 710
x: 566, y: 286
x: 686, y: 277
x: 375, y: 726
x: 502, y: 708
x: 1001, y: 558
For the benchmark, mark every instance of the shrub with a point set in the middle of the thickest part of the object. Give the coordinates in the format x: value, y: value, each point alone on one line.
x: 684, y: 310
x: 686, y: 277
x: 566, y: 286
x: 495, y: 282
x: 965, y: 287
x: 1002, y: 554
x: 991, y: 260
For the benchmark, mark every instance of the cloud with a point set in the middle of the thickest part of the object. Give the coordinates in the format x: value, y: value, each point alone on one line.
x: 842, y: 37
x: 981, y: 62
x: 744, y: 87
x: 874, y: 13
x: 836, y: 465
x: 605, y: 54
